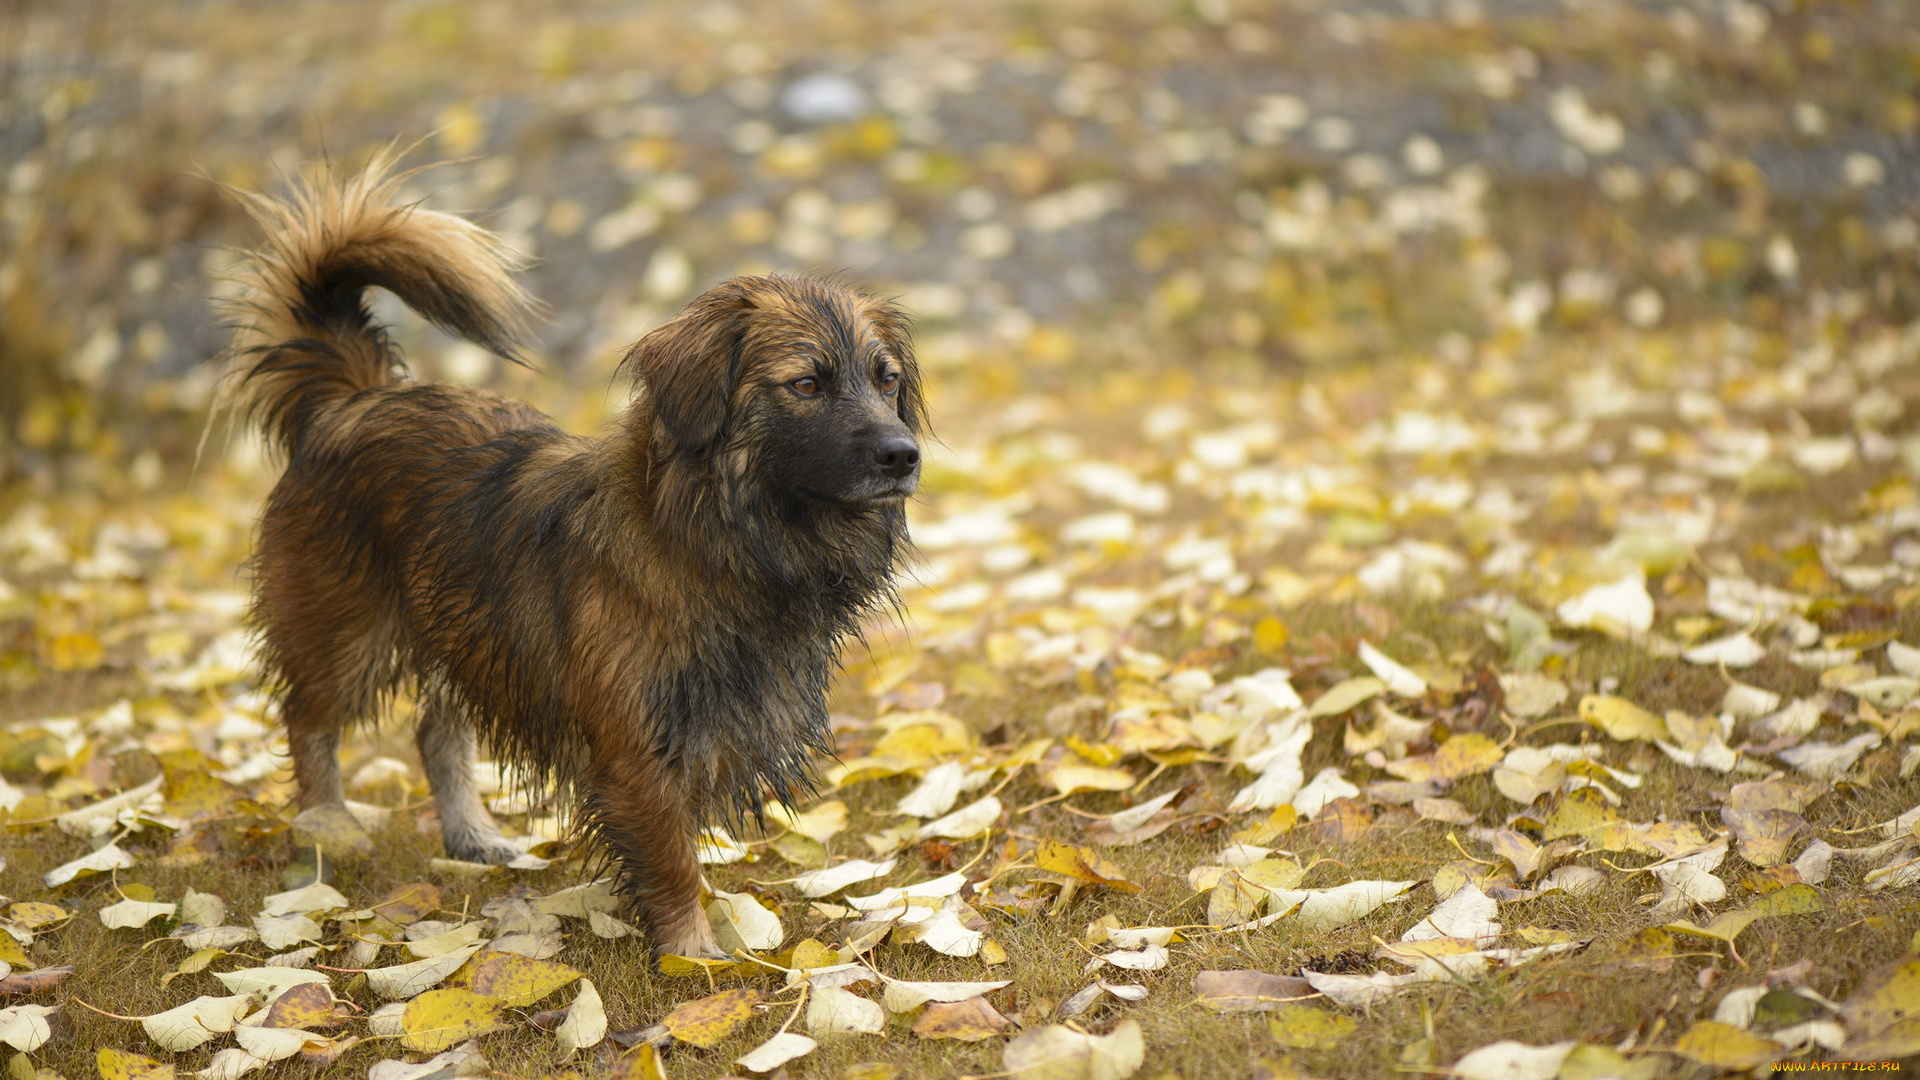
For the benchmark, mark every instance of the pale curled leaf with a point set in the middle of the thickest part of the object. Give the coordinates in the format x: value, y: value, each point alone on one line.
x: 904, y: 996
x: 403, y: 981
x: 586, y: 1022
x: 110, y: 857
x: 184, y: 1027
x: 25, y: 1027
x: 740, y: 921
x: 832, y: 1010
x: 128, y: 914
x: 1057, y: 1052
x: 818, y: 883
x: 776, y: 1052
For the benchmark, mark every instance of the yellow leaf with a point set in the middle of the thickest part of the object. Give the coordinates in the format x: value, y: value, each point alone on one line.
x: 1095, y: 753
x: 1723, y: 1046
x: 1725, y: 927
x: 123, y: 1065
x: 1793, y: 900
x: 1083, y: 864
x: 78, y: 651
x: 1465, y: 755
x: 301, y: 1006
x: 193, y: 793
x: 1584, y: 813
x: 1304, y: 1027
x: 1234, y: 901
x: 641, y: 1063
x: 1270, y: 635
x: 34, y: 914
x: 1071, y: 778
x: 1460, y: 756
x: 1155, y: 731
x: 682, y: 966
x: 1621, y: 719
x: 704, y: 1023
x: 1883, y: 1016
x: 821, y: 822
x: 932, y: 735
x: 442, y: 1018
x: 195, y: 962
x: 517, y: 980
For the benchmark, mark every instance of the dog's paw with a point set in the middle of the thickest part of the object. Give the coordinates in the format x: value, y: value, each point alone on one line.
x: 690, y: 951
x: 482, y: 849
x: 695, y: 943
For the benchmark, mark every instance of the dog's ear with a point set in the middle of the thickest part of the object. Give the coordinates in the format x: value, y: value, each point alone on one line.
x: 690, y: 364
x: 896, y: 331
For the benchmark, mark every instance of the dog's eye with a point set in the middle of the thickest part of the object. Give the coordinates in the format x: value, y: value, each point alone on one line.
x: 805, y: 386
x: 889, y: 382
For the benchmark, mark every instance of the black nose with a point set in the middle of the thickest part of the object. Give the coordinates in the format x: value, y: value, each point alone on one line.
x: 897, y: 457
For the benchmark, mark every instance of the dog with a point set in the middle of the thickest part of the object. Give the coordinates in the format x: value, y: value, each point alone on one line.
x: 644, y: 622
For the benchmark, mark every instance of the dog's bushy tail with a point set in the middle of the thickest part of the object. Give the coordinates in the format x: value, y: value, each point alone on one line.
x: 304, y: 335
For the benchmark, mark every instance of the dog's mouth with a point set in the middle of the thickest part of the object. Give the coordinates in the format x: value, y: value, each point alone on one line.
x: 886, y: 493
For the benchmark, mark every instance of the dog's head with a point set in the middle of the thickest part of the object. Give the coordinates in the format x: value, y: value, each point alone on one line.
x: 804, y: 385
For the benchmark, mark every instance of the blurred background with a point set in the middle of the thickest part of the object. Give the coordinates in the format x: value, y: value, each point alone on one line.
x: 1225, y: 190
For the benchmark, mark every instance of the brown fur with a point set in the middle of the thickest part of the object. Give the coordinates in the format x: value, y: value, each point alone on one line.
x: 646, y: 622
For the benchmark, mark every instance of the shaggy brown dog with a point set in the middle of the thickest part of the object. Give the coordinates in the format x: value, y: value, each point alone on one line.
x: 646, y: 622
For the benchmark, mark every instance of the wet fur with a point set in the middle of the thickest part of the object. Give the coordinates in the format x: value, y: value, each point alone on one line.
x: 645, y: 622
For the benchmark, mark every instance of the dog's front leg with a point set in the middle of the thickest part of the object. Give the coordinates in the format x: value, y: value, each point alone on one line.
x: 638, y: 810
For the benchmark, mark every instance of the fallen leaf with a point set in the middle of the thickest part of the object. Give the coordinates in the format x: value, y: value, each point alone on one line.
x: 1304, y: 1027
x: 184, y: 1027
x: 100, y: 861
x: 1621, y: 719
x: 437, y: 1019
x: 965, y: 823
x: 970, y: 1020
x: 903, y: 996
x: 124, y: 1065
x: 128, y: 914
x: 1056, y: 1052
x: 832, y: 1010
x: 742, y: 922
x: 776, y: 1052
x: 1883, y: 1015
x: 586, y: 1022
x: 818, y: 883
x: 1083, y: 865
x: 1249, y: 991
x: 25, y: 1028
x: 1722, y: 1046
x: 1508, y: 1060
x: 302, y: 1006
x: 403, y: 981
x: 704, y: 1023
x: 273, y: 1044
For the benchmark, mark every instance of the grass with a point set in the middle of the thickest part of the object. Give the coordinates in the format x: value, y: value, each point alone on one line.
x: 1609, y: 992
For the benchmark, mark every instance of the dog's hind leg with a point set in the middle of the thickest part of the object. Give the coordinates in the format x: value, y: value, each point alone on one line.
x: 333, y: 659
x: 446, y: 743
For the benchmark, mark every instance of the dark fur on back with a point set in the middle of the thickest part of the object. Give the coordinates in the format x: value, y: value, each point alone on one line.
x: 647, y: 621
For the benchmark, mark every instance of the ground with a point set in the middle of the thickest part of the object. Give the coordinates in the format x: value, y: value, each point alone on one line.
x: 1460, y: 456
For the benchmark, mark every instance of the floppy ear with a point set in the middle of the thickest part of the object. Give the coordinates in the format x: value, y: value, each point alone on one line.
x: 896, y: 330
x: 689, y: 365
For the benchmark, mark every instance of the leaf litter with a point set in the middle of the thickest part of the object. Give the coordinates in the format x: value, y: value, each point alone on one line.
x: 1545, y: 632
